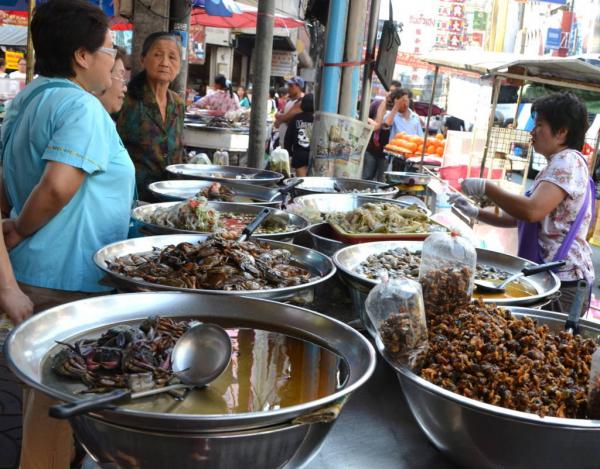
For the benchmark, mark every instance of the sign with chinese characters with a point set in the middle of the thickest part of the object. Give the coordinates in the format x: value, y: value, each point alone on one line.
x: 450, y: 24
x: 12, y: 59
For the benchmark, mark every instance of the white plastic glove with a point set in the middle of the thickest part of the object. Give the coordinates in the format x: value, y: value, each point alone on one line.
x: 462, y: 204
x: 473, y: 187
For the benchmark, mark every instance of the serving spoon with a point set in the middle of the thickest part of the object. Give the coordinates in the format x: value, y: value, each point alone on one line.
x: 490, y: 287
x: 200, y: 355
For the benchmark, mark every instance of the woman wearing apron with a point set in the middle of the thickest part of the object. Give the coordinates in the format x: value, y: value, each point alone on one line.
x: 554, y: 216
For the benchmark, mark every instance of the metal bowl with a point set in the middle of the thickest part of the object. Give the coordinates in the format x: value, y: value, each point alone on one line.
x: 225, y: 173
x: 323, y: 239
x: 347, y: 259
x: 407, y: 178
x: 217, y: 440
x: 319, y: 264
x: 478, y: 435
x: 285, y: 218
x: 331, y: 203
x: 182, y: 189
x: 326, y: 185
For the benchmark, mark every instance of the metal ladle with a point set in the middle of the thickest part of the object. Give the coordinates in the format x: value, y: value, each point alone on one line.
x: 200, y: 355
x: 485, y: 286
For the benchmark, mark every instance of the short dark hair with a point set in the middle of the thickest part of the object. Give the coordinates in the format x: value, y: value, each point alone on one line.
x: 398, y: 93
x: 123, y: 57
x: 564, y: 111
x: 308, y: 103
x: 282, y: 90
x: 396, y: 84
x: 61, y: 27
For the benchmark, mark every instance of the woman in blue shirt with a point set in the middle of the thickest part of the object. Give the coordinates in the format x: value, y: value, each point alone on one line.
x: 68, y: 183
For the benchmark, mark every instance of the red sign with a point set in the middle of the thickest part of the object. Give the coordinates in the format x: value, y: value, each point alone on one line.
x: 197, y: 46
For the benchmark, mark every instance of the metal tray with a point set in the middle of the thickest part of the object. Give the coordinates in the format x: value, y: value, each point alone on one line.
x: 407, y: 178
x: 141, y: 213
x: 326, y: 185
x: 319, y: 264
x: 183, y: 189
x: 228, y: 173
x: 347, y: 259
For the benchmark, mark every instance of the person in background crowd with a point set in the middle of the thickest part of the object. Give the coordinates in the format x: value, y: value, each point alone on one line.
x: 297, y: 137
x: 21, y: 73
x: 554, y: 216
x: 3, y: 68
x: 376, y: 162
x: 243, y: 97
x: 385, y: 100
x: 112, y: 98
x: 151, y: 120
x: 282, y: 98
x: 55, y: 177
x: 222, y: 99
x: 272, y: 104
x: 453, y: 123
x: 401, y: 118
x: 295, y: 89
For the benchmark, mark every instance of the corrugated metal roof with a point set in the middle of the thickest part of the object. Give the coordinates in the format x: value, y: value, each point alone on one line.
x: 13, y: 35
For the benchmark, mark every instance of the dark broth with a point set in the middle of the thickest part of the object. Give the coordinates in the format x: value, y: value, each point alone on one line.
x: 268, y: 370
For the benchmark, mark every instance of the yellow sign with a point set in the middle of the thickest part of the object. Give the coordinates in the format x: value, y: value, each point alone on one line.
x: 12, y: 59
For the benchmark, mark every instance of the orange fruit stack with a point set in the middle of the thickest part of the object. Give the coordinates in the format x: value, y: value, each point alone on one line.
x: 410, y: 145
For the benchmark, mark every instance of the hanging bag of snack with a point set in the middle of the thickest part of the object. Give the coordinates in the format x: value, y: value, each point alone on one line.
x: 446, y: 273
x: 395, y: 308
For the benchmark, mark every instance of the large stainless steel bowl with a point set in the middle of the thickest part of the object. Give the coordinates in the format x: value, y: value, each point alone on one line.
x: 331, y: 203
x: 320, y: 265
x: 142, y: 213
x: 183, y: 189
x: 225, y: 173
x: 323, y: 239
x: 152, y: 440
x: 478, y: 435
x: 326, y: 185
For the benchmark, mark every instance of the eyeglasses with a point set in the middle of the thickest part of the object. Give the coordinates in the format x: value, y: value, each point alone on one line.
x: 121, y: 79
x: 108, y: 51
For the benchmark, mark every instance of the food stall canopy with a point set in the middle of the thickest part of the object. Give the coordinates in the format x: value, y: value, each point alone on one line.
x: 245, y: 18
x: 13, y: 35
x: 470, y: 61
x: 560, y: 71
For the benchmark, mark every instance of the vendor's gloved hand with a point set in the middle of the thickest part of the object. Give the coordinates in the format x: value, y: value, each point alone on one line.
x: 462, y: 204
x: 473, y: 187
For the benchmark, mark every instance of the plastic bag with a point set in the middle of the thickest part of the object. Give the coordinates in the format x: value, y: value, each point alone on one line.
x: 446, y: 274
x: 593, y: 398
x: 221, y: 158
x: 280, y: 162
x: 396, y: 310
x: 200, y: 158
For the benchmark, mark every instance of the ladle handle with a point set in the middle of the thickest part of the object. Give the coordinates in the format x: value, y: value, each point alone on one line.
x: 254, y: 224
x: 71, y: 409
x: 285, y: 189
x: 536, y: 269
x: 572, y: 324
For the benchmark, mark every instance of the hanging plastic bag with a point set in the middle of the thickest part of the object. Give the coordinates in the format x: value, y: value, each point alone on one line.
x: 396, y: 310
x: 280, y: 162
x: 446, y: 274
x: 221, y: 158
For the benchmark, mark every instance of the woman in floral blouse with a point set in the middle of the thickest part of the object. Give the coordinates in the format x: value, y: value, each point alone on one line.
x: 554, y: 216
x: 151, y: 120
x: 222, y: 99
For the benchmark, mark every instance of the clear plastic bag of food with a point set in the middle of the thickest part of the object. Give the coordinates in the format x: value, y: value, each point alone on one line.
x: 198, y: 158
x: 446, y: 273
x: 396, y: 310
x: 280, y: 162
x: 593, y: 399
x: 221, y: 158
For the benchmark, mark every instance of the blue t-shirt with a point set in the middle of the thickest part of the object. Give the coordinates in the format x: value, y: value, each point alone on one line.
x: 67, y: 125
x: 412, y: 125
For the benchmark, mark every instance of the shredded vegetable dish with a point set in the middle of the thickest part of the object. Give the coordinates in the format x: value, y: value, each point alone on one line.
x: 382, y: 218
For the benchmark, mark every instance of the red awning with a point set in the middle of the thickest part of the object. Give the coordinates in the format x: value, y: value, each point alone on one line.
x: 245, y: 19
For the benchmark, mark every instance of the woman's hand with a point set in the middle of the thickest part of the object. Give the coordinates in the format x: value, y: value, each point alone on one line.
x: 462, y: 204
x: 473, y: 187
x: 15, y: 304
x: 11, y: 236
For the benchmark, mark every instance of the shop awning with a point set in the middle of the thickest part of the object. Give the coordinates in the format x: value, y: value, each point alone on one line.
x: 13, y: 35
x: 246, y: 18
x: 470, y: 61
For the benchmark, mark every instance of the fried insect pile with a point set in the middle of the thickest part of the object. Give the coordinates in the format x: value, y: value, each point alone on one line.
x: 121, y: 354
x: 215, y: 264
x: 482, y: 352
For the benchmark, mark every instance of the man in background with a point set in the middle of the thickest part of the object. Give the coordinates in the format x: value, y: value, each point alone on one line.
x: 295, y: 89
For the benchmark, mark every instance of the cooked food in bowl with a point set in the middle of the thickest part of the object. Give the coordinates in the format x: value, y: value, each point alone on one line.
x: 220, y: 193
x: 215, y: 264
x: 382, y: 218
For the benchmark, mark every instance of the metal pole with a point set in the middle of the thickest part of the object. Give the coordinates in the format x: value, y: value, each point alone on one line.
x: 261, y: 73
x: 515, y: 120
x: 429, y: 110
x: 495, y: 94
x: 365, y: 99
x: 179, y: 22
x: 334, y: 53
x: 30, y: 57
x: 355, y: 32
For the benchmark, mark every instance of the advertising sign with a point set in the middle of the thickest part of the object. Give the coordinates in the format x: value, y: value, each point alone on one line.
x: 553, y: 37
x: 12, y: 59
x: 197, y: 46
